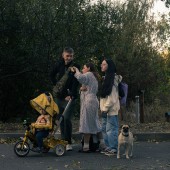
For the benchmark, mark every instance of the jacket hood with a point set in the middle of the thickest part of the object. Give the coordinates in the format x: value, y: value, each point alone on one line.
x: 118, y: 79
x: 45, y: 102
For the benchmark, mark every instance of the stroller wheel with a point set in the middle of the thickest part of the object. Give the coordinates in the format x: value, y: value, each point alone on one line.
x: 60, y: 150
x: 21, y: 149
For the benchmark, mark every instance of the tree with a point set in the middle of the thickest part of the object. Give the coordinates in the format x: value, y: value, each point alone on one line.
x: 34, y: 33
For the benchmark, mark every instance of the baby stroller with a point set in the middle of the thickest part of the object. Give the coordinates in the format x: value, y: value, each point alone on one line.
x: 28, y: 142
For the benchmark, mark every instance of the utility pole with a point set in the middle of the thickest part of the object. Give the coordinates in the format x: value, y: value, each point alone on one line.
x: 137, y: 109
x: 142, y: 106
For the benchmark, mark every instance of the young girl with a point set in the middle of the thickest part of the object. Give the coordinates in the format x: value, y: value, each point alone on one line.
x: 109, y: 106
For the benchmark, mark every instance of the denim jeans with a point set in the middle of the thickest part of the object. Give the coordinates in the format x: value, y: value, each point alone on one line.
x: 110, y: 130
x: 39, y: 137
x: 66, y: 124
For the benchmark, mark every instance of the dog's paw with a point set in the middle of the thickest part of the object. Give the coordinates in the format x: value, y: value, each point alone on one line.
x: 127, y: 157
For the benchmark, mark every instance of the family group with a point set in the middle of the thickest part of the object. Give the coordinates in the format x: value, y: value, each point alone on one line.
x: 98, y: 94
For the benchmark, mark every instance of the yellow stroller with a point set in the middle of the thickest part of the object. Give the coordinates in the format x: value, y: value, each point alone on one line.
x: 28, y: 142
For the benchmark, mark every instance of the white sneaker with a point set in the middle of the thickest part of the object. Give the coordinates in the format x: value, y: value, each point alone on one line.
x: 111, y: 153
x: 69, y: 147
x: 107, y: 149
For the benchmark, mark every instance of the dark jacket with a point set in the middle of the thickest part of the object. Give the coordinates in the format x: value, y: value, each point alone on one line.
x: 71, y: 83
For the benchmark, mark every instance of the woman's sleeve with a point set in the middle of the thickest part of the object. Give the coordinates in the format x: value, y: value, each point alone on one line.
x: 110, y: 100
x: 82, y: 78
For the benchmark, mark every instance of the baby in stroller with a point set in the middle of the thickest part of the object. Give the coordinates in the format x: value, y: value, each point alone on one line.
x: 39, y: 136
x: 44, y: 123
x: 41, y: 128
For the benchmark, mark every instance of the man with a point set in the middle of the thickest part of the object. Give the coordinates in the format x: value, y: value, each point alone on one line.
x: 65, y: 88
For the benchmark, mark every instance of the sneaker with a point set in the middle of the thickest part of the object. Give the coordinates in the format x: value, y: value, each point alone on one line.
x: 107, y: 149
x: 69, y: 147
x: 38, y: 150
x: 111, y: 152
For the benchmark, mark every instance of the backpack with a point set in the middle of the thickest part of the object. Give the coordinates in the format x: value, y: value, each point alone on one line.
x: 121, y: 90
x: 93, y: 143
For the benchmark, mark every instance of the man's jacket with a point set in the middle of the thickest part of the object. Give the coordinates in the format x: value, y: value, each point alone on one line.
x: 71, y: 83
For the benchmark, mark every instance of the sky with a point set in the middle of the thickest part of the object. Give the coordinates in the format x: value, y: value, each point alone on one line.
x: 160, y: 8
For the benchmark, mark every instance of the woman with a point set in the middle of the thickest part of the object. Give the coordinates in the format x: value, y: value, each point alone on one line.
x: 109, y: 105
x: 89, y: 120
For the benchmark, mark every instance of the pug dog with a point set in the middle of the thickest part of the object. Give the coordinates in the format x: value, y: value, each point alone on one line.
x: 125, y: 139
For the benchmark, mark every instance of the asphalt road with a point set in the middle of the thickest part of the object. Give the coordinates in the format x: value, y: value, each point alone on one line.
x: 148, y: 156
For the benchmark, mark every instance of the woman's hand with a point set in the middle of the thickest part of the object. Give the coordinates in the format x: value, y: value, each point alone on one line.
x: 74, y: 69
x: 83, y: 88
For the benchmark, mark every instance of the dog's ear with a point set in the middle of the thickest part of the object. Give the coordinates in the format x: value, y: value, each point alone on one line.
x: 121, y: 126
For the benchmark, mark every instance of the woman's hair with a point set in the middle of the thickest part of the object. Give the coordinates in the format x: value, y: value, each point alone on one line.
x: 108, y: 81
x: 93, y: 70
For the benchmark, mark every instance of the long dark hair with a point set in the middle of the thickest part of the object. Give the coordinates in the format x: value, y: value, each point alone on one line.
x: 108, y: 81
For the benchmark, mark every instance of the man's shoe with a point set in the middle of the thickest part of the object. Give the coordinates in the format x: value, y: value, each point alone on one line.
x: 69, y: 147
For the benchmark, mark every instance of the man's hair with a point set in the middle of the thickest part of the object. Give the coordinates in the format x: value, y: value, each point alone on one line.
x: 68, y: 50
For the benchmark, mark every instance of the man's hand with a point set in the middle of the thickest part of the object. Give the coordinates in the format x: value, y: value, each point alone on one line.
x: 67, y: 98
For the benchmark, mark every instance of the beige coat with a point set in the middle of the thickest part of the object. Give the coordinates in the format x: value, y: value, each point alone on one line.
x: 110, y: 103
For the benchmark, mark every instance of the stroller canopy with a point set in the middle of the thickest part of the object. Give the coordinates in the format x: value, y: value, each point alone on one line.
x: 45, y: 101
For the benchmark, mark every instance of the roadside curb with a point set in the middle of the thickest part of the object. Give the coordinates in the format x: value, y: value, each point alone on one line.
x: 154, y: 136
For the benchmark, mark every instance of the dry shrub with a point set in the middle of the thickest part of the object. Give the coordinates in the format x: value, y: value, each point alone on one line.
x: 130, y: 115
x: 154, y: 112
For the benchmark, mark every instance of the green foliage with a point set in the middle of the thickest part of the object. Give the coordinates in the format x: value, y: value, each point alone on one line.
x: 33, y: 34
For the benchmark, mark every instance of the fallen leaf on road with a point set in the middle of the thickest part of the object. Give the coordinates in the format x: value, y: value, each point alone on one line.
x: 66, y: 166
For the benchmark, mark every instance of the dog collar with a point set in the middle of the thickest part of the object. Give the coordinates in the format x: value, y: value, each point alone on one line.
x: 125, y: 135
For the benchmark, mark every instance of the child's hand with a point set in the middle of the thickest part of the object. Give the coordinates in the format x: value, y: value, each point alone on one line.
x: 32, y: 125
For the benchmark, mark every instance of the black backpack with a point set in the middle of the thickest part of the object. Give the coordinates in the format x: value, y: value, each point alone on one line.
x: 93, y: 143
